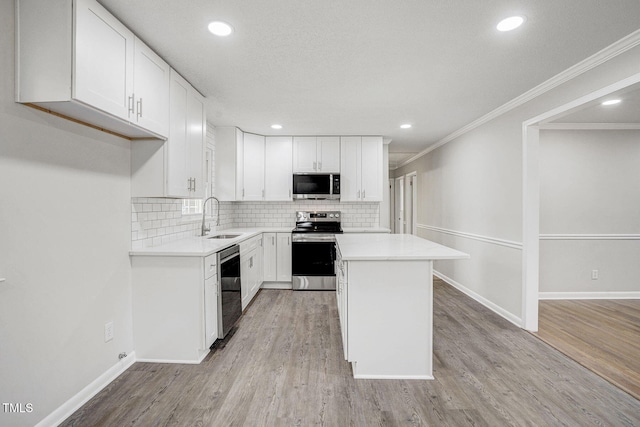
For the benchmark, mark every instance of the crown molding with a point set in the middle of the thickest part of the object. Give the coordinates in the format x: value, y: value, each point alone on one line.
x: 589, y: 126
x: 599, y: 58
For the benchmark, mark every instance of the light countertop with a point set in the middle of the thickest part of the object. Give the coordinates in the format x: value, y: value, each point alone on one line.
x: 370, y: 246
x: 202, y: 246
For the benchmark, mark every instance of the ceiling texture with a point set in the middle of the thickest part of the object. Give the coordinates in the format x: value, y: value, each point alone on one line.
x: 364, y: 67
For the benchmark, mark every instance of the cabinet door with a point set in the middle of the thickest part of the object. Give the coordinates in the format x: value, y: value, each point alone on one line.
x: 178, y: 184
x: 211, y: 310
x: 151, y: 88
x: 104, y: 60
x: 371, y: 169
x: 284, y: 257
x: 253, y: 186
x: 328, y: 154
x: 304, y: 154
x: 278, y: 170
x: 350, y: 169
x: 196, y: 142
x: 245, y: 279
x: 269, y: 259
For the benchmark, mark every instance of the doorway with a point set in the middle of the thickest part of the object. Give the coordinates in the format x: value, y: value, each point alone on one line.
x: 411, y: 199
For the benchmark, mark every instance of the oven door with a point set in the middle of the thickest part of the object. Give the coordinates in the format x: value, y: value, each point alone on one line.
x: 312, y: 261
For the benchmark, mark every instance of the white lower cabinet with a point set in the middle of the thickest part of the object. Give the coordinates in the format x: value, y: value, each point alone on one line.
x: 341, y: 296
x: 251, y: 271
x: 175, y: 307
x: 277, y: 260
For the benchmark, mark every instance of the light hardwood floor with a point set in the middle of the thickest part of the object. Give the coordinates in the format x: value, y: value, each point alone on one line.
x: 284, y: 367
x: 602, y: 335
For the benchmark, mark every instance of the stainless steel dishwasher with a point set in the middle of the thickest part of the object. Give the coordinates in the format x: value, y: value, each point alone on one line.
x: 230, y: 300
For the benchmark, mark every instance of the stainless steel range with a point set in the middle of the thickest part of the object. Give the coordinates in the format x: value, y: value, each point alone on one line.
x: 313, y: 250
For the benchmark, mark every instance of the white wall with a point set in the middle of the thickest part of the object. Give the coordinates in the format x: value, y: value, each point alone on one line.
x: 471, y: 193
x: 589, y: 187
x: 64, y: 239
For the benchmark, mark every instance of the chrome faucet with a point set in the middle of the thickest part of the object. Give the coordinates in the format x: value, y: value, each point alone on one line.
x: 206, y: 229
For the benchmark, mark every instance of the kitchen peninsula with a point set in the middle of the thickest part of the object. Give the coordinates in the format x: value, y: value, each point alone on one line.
x: 385, y: 303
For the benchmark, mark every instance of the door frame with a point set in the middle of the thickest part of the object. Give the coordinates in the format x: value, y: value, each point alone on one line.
x: 399, y: 203
x: 531, y: 196
x: 412, y: 177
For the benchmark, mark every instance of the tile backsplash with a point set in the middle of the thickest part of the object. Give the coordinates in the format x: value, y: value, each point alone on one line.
x: 155, y: 221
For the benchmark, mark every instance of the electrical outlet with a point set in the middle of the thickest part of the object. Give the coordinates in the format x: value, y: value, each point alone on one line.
x: 108, y: 331
x: 594, y: 274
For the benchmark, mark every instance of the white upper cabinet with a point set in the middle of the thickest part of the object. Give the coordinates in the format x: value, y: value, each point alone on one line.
x: 361, y: 169
x: 228, y: 161
x: 150, y: 98
x: 76, y: 59
x: 175, y: 167
x: 313, y: 154
x: 253, y: 166
x: 278, y: 172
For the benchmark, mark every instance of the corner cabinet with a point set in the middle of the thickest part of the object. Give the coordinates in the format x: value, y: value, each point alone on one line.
x: 175, y: 307
x: 75, y: 59
x: 174, y: 168
x: 250, y: 167
x: 316, y: 154
x: 361, y: 166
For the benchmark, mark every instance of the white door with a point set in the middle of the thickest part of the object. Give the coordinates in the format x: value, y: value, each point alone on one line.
x: 350, y: 168
x: 410, y: 208
x: 392, y: 204
x: 278, y: 168
x: 399, y: 204
x: 178, y: 184
x: 151, y: 88
x: 269, y: 257
x: 284, y: 257
x: 328, y: 154
x: 371, y: 169
x: 253, y: 166
x: 304, y: 154
x: 103, y: 76
x: 196, y: 141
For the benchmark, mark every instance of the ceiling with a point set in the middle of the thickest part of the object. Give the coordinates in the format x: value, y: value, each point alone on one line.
x: 367, y: 66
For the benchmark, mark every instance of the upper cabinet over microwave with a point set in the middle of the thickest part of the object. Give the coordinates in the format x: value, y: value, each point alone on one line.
x: 77, y: 60
x: 316, y: 154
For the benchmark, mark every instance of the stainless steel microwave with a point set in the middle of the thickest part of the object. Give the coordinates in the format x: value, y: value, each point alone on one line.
x: 319, y: 186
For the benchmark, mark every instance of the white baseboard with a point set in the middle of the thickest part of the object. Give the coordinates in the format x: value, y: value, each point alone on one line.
x: 74, y: 403
x: 482, y: 300
x: 588, y: 295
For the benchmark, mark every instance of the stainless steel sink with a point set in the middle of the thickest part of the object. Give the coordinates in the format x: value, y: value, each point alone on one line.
x: 224, y: 236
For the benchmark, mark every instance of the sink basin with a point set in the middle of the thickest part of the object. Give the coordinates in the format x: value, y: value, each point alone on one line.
x: 224, y: 236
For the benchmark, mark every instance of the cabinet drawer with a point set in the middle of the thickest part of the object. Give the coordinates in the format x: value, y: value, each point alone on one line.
x: 210, y: 265
x: 251, y: 244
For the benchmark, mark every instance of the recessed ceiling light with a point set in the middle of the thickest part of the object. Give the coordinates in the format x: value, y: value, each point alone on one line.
x: 276, y: 126
x: 220, y: 28
x: 405, y: 126
x: 612, y: 102
x: 510, y: 23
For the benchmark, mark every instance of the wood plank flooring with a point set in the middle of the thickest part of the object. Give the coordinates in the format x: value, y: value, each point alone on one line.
x: 602, y: 335
x: 284, y: 367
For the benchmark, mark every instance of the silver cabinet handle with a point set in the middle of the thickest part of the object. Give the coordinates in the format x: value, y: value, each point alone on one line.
x: 319, y: 166
x: 188, y: 184
x: 358, y: 195
x: 314, y: 166
x: 194, y: 184
x: 363, y: 196
x: 140, y: 108
x: 130, y: 109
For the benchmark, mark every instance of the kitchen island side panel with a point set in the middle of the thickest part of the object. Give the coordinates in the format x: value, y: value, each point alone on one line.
x: 390, y: 306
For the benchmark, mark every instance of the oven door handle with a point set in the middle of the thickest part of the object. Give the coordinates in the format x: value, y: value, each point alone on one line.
x: 313, y: 239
